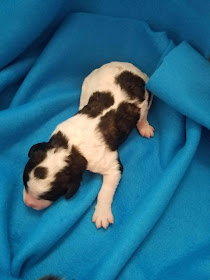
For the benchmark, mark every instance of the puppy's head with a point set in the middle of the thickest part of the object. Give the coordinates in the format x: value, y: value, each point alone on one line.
x: 53, y: 169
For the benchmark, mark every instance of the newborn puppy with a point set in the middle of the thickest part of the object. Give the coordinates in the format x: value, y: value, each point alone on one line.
x: 113, y: 101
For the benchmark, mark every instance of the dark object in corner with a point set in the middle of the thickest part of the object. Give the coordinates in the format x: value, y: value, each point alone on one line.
x: 50, y: 277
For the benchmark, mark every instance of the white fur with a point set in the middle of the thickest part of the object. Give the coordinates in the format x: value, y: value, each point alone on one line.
x: 81, y: 132
x: 103, y: 79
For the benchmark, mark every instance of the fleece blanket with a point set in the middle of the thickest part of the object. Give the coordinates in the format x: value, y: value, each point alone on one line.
x: 161, y: 206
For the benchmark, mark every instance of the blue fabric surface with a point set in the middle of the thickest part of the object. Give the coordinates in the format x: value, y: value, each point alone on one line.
x: 161, y: 206
x: 181, y: 19
x: 189, y: 73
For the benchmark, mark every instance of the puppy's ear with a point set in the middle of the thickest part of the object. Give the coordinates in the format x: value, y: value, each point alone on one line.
x: 76, y: 166
x: 72, y: 189
x: 40, y: 146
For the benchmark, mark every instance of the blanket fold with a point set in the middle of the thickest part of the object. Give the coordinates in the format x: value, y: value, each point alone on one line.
x: 183, y: 81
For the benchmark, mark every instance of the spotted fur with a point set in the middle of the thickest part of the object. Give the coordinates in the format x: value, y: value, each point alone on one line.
x: 113, y: 101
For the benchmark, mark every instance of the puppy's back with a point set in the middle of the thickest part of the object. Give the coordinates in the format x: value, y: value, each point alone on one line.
x: 103, y: 79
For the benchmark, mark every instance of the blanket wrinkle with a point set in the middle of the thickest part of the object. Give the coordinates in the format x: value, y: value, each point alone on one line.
x: 189, y: 75
x: 195, y: 252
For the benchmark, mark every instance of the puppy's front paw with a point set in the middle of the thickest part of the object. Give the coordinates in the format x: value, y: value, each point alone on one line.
x: 103, y: 216
x: 145, y: 129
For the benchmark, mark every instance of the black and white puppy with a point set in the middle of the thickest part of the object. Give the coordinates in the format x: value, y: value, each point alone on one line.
x: 113, y: 101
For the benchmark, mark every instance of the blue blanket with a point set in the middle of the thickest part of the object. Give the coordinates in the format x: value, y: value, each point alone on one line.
x: 161, y: 206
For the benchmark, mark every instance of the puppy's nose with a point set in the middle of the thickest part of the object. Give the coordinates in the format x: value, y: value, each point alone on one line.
x: 29, y: 200
x: 29, y: 204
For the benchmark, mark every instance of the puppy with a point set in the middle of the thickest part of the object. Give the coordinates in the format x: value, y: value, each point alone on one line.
x: 113, y: 101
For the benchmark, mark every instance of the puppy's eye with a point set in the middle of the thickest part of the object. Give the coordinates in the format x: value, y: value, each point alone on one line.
x: 41, y: 172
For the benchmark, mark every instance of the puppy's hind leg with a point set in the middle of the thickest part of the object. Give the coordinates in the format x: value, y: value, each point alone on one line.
x: 143, y: 126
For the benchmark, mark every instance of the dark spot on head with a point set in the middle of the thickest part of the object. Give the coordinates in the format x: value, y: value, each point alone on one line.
x: 38, y: 147
x: 59, y: 140
x: 67, y: 180
x: 132, y: 85
x: 37, y: 154
x: 98, y: 102
x: 116, y: 125
x: 41, y: 172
